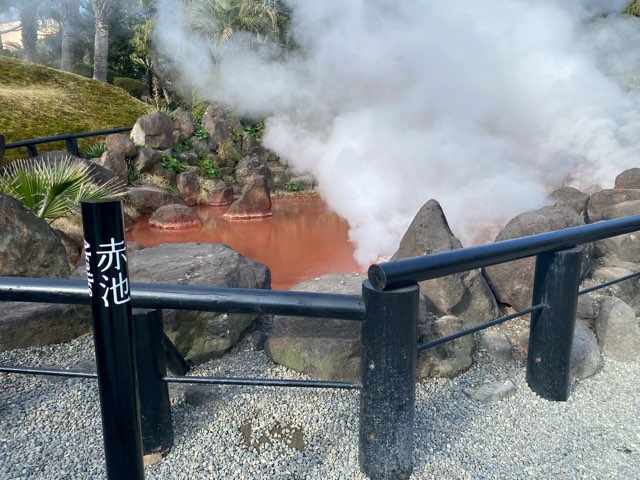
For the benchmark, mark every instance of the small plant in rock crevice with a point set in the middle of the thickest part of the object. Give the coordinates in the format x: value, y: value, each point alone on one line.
x: 210, y: 169
x: 202, y: 134
x: 133, y: 173
x: 172, y: 164
x: 293, y: 187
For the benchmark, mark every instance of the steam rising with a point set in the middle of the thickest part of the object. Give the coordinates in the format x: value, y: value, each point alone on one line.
x: 485, y: 106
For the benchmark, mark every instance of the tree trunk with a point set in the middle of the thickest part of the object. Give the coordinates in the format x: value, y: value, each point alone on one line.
x: 70, y: 17
x: 29, y: 29
x: 102, y: 9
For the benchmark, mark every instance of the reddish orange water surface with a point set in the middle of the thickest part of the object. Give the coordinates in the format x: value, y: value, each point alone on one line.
x: 302, y: 240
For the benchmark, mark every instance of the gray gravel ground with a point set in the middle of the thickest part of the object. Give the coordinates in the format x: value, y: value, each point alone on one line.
x: 50, y: 429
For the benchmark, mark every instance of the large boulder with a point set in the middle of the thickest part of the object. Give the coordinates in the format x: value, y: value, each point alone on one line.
x: 323, y: 348
x: 149, y: 198
x: 114, y: 161
x: 608, y: 269
x: 617, y: 330
x: 254, y: 202
x: 174, y: 217
x: 154, y: 131
x: 25, y: 325
x: 117, y: 142
x: 572, y: 198
x: 512, y: 282
x: 29, y: 247
x: 585, y: 354
x: 146, y: 159
x: 183, y: 123
x: 252, y: 166
x: 602, y: 204
x: 199, y: 336
x: 628, y: 179
x: 219, y: 125
x: 189, y: 187
x: 465, y: 295
x: 449, y: 359
x: 220, y: 194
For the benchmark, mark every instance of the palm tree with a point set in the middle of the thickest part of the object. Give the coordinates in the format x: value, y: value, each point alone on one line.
x: 102, y: 10
x: 28, y: 14
x: 69, y: 19
x: 53, y: 190
x: 220, y: 20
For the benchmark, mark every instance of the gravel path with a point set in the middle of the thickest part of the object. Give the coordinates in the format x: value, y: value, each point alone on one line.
x: 50, y: 428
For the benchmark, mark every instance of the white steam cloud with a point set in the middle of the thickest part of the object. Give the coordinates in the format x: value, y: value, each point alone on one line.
x: 485, y: 106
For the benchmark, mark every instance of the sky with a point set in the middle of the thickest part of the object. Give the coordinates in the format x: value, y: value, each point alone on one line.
x: 486, y: 107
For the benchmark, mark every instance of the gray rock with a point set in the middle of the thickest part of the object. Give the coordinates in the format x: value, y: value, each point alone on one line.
x: 25, y: 325
x: 512, y: 282
x: 153, y: 131
x: 29, y: 247
x: 189, y: 158
x: 601, y: 203
x: 199, y: 395
x: 323, y: 348
x: 117, y: 142
x: 280, y: 176
x: 248, y: 143
x: 199, y: 336
x: 585, y: 310
x: 497, y: 346
x: 492, y: 392
x: 114, y: 161
x: 254, y: 202
x: 220, y: 194
x: 214, y: 121
x: 146, y: 159
x: 174, y: 217
x: 585, y: 354
x: 464, y: 295
x: 304, y: 180
x: 617, y: 330
x: 574, y: 199
x: 72, y: 247
x: 252, y: 166
x: 611, y: 269
x: 189, y: 187
x: 449, y: 359
x: 629, y: 179
x: 183, y: 123
x: 149, y: 198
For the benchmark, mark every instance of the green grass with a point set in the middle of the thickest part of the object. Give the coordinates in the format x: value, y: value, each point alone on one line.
x: 37, y: 101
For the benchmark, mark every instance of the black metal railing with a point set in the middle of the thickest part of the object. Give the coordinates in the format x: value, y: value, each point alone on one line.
x: 70, y: 140
x: 129, y: 342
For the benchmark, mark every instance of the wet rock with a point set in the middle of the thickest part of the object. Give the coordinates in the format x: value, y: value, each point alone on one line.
x: 153, y: 131
x: 174, y: 217
x: 254, y: 202
x: 617, y: 330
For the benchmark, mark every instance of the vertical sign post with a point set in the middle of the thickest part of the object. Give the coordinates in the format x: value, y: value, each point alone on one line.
x: 108, y: 278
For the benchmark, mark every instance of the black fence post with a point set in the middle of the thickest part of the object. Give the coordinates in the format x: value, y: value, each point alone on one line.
x: 32, y: 150
x: 387, y: 398
x: 72, y: 146
x: 155, y: 407
x: 556, y: 283
x: 108, y: 279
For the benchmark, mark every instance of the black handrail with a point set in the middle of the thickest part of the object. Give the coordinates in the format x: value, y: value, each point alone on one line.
x: 190, y: 297
x: 68, y: 138
x: 390, y: 275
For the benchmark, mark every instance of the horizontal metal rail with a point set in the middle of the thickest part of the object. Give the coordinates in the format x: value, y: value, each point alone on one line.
x: 190, y: 297
x: 497, y: 321
x: 608, y: 284
x: 391, y: 275
x: 66, y: 136
x: 58, y: 372
x: 264, y: 382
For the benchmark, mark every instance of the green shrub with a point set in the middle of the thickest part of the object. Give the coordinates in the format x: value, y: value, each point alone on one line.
x: 209, y: 168
x: 183, y: 146
x: 172, y: 163
x: 293, y: 187
x: 133, y: 87
x: 133, y: 174
x: 202, y: 134
x: 93, y: 151
x: 197, y: 111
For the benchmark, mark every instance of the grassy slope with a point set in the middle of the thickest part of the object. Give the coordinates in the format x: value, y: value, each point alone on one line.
x: 37, y: 101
